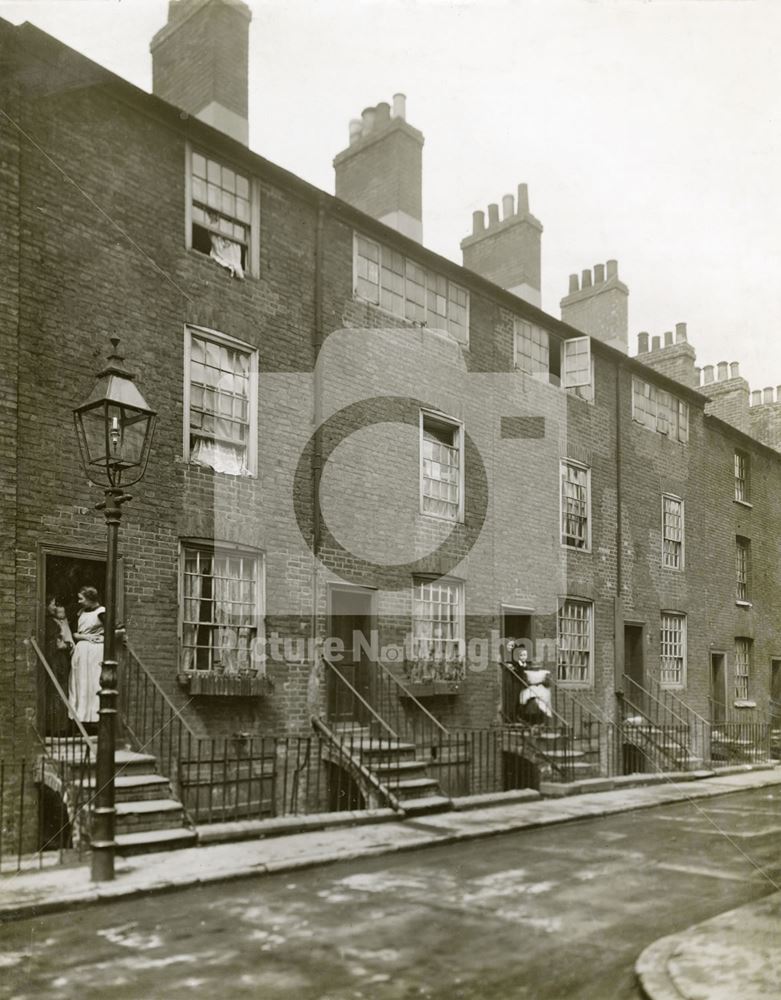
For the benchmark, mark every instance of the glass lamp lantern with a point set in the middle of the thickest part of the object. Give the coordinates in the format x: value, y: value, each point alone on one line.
x: 114, y: 427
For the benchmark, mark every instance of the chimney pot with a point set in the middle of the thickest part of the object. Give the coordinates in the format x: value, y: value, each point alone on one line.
x: 612, y: 269
x: 707, y: 374
x: 599, y: 274
x: 493, y: 214
x: 508, y: 206
x: 668, y: 338
x: 767, y: 394
x: 723, y: 371
x: 656, y: 343
x: 368, y: 115
x: 756, y: 397
x: 734, y: 370
x: 400, y: 106
x: 523, y: 199
x: 574, y: 285
x: 680, y: 333
x: 642, y: 343
x: 586, y: 278
x: 478, y: 221
x: 356, y: 127
x: 382, y: 114
x: 697, y: 375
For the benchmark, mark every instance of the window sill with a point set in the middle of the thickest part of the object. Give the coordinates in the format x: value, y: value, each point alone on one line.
x: 442, y: 517
x: 252, y: 476
x: 210, y: 685
x: 744, y: 604
x: 744, y: 703
x: 431, y: 689
x: 576, y: 548
x: 743, y: 503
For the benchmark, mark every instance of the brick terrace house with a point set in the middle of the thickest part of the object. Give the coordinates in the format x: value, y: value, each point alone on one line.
x: 356, y: 434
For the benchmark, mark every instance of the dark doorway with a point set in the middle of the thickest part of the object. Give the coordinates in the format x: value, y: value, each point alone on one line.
x: 634, y: 665
x: 516, y: 624
x: 350, y: 620
x: 63, y: 577
x: 343, y: 791
x: 775, y: 691
x: 718, y: 688
x: 519, y: 772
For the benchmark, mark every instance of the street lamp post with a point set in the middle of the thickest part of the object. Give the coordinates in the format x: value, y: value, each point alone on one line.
x: 114, y: 428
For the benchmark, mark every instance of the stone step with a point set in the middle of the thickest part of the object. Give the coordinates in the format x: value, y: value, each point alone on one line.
x: 385, y: 769
x: 427, y: 804
x: 133, y: 787
x: 149, y: 814
x: 413, y: 788
x: 151, y: 841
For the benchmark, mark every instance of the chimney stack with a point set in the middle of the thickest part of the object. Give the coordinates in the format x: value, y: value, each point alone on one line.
x: 200, y: 62
x: 508, y: 250
x: 599, y: 306
x: 381, y: 171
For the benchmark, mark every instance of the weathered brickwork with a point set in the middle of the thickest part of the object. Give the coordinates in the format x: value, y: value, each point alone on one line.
x: 93, y: 204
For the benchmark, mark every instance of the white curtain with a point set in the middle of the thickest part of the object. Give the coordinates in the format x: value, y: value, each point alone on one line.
x: 193, y: 586
x: 227, y: 254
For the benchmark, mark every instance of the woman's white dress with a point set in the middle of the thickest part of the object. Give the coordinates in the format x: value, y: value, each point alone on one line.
x: 85, y: 666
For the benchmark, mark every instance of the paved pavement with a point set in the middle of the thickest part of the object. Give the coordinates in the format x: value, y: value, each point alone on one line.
x: 715, y: 960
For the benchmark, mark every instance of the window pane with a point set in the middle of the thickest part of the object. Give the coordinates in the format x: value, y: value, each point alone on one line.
x: 673, y: 649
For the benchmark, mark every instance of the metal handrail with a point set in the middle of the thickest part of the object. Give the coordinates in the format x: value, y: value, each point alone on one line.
x: 169, y: 704
x: 360, y: 698
x: 666, y: 693
x: 365, y: 773
x: 649, y: 694
x: 63, y: 697
x: 408, y: 694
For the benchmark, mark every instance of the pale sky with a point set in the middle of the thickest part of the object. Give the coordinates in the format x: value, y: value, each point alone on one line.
x: 647, y: 130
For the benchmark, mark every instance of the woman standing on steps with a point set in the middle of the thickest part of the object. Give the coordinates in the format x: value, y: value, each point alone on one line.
x: 87, y: 658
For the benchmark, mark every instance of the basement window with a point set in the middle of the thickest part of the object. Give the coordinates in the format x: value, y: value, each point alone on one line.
x: 221, y: 214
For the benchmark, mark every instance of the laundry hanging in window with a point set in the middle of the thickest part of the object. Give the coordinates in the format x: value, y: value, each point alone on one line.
x: 227, y: 254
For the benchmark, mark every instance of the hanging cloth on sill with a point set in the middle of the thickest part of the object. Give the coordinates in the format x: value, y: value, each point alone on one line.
x: 227, y: 254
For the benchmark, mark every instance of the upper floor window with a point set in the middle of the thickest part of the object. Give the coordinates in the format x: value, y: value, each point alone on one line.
x: 742, y: 668
x: 222, y: 214
x: 742, y: 491
x: 438, y: 619
x: 660, y: 411
x: 561, y: 362
x: 220, y: 403
x: 575, y: 641
x: 672, y: 653
x: 672, y: 532
x: 742, y: 554
x: 442, y: 478
x: 221, y: 607
x: 408, y: 290
x: 575, y: 505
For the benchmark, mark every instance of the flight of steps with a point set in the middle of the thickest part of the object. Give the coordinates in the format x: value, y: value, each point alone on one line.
x: 659, y: 749
x: 396, y: 766
x: 148, y: 816
x: 559, y: 756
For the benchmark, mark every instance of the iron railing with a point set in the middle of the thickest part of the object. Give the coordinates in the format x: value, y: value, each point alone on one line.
x: 152, y: 723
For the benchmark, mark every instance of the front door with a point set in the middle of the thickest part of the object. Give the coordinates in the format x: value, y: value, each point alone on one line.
x: 350, y: 620
x: 634, y: 664
x: 516, y: 624
x: 63, y: 577
x: 718, y: 689
x: 775, y: 691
